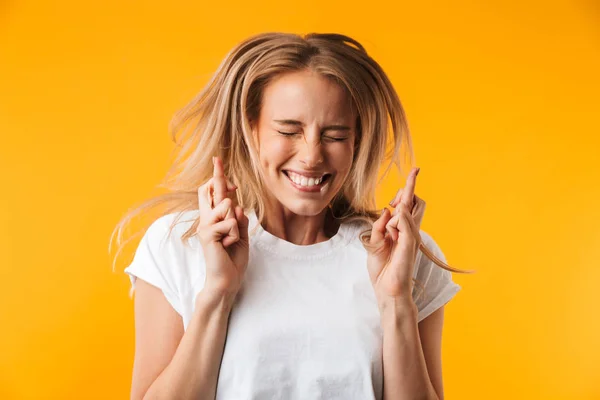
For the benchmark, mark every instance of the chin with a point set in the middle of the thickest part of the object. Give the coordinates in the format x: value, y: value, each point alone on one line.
x: 305, y: 208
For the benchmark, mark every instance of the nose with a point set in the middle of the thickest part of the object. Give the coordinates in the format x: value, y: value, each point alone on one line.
x: 311, y: 153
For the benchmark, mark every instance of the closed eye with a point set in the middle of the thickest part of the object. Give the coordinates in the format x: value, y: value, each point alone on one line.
x: 330, y: 138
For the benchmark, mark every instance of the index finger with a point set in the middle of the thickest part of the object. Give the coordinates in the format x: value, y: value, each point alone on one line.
x: 204, y: 200
x: 219, y: 184
x: 409, y: 190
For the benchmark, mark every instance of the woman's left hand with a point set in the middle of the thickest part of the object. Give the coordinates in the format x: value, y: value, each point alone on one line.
x: 393, y: 246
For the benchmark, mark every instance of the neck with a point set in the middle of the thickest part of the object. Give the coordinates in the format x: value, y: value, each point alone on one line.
x: 302, y: 230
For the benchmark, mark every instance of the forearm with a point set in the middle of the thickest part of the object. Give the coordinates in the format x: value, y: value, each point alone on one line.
x: 194, y: 369
x: 404, y: 368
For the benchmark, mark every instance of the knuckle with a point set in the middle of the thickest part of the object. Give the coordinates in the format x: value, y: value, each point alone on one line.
x: 204, y: 188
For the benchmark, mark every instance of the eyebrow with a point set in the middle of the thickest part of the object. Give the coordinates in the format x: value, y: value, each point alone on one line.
x: 298, y: 123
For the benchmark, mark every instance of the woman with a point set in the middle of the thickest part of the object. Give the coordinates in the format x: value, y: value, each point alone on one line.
x: 270, y: 274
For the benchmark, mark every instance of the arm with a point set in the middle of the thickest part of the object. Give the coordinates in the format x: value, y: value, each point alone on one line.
x: 411, y: 352
x: 170, y: 363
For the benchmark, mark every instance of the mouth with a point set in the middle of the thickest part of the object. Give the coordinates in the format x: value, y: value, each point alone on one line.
x: 308, y: 185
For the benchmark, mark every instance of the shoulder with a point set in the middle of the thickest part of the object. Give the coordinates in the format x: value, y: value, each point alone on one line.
x: 165, y: 233
x: 176, y: 223
x: 168, y: 231
x: 435, y: 285
x: 428, y: 241
x: 425, y: 269
x: 352, y: 232
x: 162, y: 252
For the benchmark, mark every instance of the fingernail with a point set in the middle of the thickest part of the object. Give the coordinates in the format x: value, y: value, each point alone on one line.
x: 382, y: 211
x: 418, y: 169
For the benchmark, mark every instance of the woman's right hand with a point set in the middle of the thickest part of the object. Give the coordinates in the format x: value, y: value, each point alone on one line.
x: 223, y: 234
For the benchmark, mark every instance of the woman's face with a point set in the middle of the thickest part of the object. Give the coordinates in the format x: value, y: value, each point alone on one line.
x: 306, y: 133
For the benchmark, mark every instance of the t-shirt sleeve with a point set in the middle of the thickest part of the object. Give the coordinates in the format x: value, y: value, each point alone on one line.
x: 154, y: 261
x: 438, y: 285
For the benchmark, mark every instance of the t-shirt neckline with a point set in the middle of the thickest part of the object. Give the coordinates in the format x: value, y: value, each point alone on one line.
x: 282, y: 248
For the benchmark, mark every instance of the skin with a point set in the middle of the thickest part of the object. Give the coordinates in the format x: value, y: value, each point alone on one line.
x: 317, y: 105
x: 412, y: 351
x: 171, y: 363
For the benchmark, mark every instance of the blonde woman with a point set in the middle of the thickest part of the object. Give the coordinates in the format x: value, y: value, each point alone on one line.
x: 270, y: 273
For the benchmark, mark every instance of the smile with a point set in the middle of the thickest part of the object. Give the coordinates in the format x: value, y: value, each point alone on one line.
x: 307, y: 184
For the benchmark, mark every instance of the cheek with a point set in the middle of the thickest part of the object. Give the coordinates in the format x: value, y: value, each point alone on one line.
x: 341, y: 157
x: 275, y: 152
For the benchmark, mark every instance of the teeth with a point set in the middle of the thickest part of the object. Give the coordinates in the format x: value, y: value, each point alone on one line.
x: 304, y: 181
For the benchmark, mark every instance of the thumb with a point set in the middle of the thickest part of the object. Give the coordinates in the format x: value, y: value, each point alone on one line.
x: 243, y: 223
x: 233, y: 235
x: 378, y: 231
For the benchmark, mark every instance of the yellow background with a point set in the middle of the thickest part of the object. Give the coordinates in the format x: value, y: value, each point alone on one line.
x: 502, y: 99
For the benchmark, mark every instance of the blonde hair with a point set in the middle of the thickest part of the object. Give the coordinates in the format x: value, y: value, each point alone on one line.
x: 217, y: 122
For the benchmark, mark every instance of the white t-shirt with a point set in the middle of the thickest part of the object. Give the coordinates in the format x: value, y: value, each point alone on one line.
x: 305, y: 324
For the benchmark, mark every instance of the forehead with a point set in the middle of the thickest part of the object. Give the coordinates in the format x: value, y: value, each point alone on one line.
x: 307, y: 96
